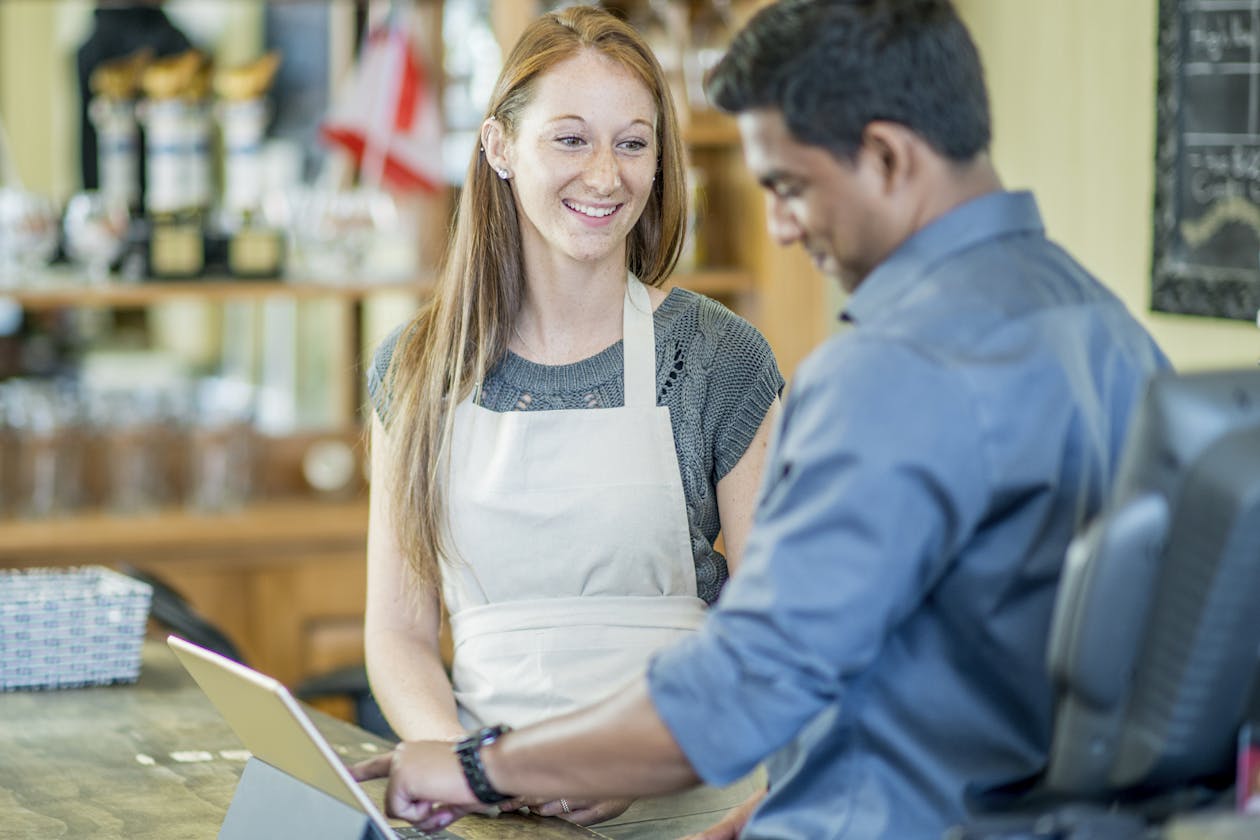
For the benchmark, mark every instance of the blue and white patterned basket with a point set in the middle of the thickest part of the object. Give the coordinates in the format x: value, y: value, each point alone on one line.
x: 70, y: 627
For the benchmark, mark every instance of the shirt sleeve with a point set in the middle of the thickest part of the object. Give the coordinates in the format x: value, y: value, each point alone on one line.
x: 745, y: 381
x: 875, y: 481
x: 377, y: 374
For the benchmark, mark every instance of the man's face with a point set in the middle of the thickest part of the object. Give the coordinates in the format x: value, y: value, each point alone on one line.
x: 834, y: 209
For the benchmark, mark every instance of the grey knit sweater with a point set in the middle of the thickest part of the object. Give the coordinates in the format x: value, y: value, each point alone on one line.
x: 714, y: 372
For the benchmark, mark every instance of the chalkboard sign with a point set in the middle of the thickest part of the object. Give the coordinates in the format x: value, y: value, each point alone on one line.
x: 1207, y: 169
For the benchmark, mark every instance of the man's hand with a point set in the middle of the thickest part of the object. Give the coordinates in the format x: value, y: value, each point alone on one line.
x: 729, y: 827
x: 426, y: 785
x: 585, y: 811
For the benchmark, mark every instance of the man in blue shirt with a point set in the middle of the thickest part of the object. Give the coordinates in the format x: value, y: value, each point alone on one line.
x: 882, y: 649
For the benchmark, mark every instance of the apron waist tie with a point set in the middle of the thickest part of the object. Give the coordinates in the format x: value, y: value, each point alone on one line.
x: 678, y: 612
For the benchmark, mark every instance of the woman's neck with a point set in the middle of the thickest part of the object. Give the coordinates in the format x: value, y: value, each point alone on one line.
x: 570, y: 312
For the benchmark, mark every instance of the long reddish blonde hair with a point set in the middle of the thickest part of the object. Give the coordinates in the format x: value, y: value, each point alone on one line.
x: 463, y: 331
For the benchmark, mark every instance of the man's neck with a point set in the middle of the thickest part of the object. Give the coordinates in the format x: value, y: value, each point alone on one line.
x: 956, y: 184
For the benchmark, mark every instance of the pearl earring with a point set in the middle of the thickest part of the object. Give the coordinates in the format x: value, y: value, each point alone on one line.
x: 503, y: 173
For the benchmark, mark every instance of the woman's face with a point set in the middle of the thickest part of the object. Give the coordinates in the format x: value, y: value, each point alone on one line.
x: 582, y: 161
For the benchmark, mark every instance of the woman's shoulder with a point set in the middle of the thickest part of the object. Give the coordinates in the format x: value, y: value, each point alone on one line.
x: 386, y: 346
x: 685, y: 313
x: 381, y: 357
x: 700, y: 337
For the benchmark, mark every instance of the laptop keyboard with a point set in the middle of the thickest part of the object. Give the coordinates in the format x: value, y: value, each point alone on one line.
x: 412, y: 833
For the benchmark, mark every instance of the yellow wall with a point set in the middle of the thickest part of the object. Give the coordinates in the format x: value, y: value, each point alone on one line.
x: 1073, y: 92
x: 31, y: 84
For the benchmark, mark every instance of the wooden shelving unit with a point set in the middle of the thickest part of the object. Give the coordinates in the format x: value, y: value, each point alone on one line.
x: 284, y: 579
x: 58, y: 289
x: 276, y: 530
x: 716, y: 282
x: 706, y: 129
x: 63, y: 290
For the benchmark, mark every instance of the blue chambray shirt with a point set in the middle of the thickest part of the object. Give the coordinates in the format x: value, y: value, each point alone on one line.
x: 883, y: 644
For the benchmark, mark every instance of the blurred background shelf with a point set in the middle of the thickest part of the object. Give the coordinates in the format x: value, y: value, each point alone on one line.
x: 62, y: 289
x: 716, y: 282
x: 271, y: 531
x: 65, y: 289
x: 711, y: 128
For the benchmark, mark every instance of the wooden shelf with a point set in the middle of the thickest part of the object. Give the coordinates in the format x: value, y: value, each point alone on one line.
x: 715, y: 282
x: 278, y: 529
x: 60, y: 289
x: 711, y: 129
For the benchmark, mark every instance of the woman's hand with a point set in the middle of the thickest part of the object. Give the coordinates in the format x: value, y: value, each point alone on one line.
x: 580, y: 811
x: 729, y: 827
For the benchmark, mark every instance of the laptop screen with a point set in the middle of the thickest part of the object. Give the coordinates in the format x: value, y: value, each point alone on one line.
x: 272, y: 725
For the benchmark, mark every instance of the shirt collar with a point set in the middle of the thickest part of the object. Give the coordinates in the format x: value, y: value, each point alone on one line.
x: 987, y: 217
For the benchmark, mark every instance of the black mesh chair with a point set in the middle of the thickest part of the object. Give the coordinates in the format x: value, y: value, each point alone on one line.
x: 172, y: 611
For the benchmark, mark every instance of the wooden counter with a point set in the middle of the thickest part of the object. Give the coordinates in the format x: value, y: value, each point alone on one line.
x: 285, y: 578
x: 155, y: 760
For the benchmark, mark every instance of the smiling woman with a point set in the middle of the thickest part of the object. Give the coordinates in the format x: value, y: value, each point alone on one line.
x: 582, y: 160
x: 557, y: 442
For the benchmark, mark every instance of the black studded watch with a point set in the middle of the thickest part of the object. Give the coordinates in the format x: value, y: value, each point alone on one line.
x: 468, y: 749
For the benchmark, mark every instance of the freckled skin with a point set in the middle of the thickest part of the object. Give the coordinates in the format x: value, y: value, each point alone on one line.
x: 587, y: 142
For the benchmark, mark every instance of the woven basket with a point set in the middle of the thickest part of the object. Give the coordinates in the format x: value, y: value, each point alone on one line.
x: 71, y: 627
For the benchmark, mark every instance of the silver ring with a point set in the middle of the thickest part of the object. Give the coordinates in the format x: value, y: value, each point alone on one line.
x: 564, y: 806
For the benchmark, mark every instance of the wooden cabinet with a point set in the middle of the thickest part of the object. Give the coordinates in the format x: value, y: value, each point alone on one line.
x: 284, y: 579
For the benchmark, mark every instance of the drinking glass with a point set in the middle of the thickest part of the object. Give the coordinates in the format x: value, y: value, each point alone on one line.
x: 96, y: 231
x: 221, y: 446
x: 45, y: 418
x: 335, y: 229
x: 132, y: 425
x: 28, y: 235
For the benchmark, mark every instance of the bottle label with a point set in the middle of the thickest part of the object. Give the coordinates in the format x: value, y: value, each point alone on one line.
x: 176, y: 250
x: 255, y: 253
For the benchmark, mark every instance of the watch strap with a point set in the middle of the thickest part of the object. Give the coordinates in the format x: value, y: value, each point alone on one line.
x: 468, y: 749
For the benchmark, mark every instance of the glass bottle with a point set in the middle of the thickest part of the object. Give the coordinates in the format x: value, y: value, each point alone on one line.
x: 176, y: 166
x: 253, y: 247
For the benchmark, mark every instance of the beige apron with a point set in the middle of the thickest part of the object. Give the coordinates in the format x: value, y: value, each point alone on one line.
x: 570, y: 556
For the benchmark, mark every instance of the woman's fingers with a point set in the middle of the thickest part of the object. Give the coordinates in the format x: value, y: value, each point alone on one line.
x: 376, y: 767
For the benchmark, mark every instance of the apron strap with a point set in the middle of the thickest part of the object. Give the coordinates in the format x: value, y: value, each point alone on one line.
x: 638, y: 346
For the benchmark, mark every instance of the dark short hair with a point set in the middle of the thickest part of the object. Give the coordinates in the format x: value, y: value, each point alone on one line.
x: 833, y: 66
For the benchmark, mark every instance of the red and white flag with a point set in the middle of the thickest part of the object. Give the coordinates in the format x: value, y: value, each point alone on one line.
x: 387, y: 116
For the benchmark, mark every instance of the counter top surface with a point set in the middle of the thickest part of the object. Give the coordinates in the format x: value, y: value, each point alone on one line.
x: 155, y: 760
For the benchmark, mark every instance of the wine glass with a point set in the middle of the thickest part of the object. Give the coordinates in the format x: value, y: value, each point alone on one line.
x: 96, y: 230
x: 336, y: 229
x: 28, y: 235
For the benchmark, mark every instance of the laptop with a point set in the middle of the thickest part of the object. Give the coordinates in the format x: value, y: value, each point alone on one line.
x: 272, y: 725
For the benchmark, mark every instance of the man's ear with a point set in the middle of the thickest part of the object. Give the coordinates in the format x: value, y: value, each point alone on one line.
x: 494, y: 144
x: 891, y: 150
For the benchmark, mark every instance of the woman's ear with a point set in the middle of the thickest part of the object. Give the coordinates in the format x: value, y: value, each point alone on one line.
x: 494, y: 145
